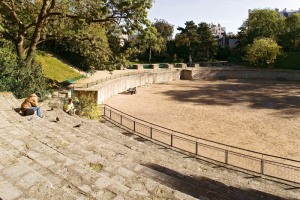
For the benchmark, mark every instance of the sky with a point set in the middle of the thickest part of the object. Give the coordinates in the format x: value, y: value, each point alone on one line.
x: 228, y: 13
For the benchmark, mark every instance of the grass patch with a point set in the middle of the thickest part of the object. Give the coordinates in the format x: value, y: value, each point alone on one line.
x: 55, y: 69
x: 96, y: 166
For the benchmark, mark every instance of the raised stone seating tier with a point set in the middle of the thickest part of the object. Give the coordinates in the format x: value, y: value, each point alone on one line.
x: 154, y: 66
x: 138, y: 66
x: 42, y: 158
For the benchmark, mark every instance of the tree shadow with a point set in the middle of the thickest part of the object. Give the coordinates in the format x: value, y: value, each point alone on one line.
x: 205, y: 188
x: 282, y: 97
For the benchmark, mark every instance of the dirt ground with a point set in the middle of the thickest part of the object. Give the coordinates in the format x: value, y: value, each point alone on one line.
x: 262, y: 116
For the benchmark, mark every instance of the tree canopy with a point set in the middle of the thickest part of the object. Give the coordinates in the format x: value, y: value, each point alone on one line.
x: 262, y: 52
x: 197, y: 40
x: 83, y: 26
x: 29, y: 22
x: 164, y: 28
x: 290, y: 39
x: 261, y: 23
x: 149, y: 39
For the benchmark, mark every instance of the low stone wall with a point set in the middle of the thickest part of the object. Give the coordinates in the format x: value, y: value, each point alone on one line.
x: 115, y: 86
x: 231, y: 73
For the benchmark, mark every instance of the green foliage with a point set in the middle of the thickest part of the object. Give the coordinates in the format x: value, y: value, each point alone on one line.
x: 150, y: 40
x: 19, y: 77
x: 85, y: 23
x: 55, y: 69
x: 87, y: 107
x: 265, y: 23
x: 197, y: 40
x: 262, y: 52
x: 289, y: 60
x: 290, y: 39
x: 8, y: 64
x: 96, y: 166
x: 187, y: 39
x: 164, y: 29
x: 206, y: 46
x: 261, y: 23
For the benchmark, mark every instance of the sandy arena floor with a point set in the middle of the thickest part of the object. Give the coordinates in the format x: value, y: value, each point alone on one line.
x: 262, y: 116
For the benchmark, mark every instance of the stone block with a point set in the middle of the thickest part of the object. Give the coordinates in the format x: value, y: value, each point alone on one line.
x: 154, y: 66
x: 125, y: 172
x: 8, y: 191
x: 16, y: 171
x: 44, y: 161
x: 29, y: 180
x: 103, y: 182
x: 138, y: 67
x: 119, y: 188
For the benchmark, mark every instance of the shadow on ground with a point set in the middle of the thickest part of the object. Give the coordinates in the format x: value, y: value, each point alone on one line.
x: 256, y: 94
x: 205, y: 188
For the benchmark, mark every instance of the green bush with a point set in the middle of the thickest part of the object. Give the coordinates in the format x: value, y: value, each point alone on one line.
x: 88, y: 108
x: 289, y: 60
x: 18, y: 77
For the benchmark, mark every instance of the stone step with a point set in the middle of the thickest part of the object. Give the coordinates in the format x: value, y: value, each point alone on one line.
x: 45, y: 159
x: 100, y: 161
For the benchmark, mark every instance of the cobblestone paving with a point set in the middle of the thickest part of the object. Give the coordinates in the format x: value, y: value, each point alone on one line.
x: 41, y: 158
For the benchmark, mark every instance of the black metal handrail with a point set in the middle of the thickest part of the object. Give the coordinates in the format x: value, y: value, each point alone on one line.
x: 174, y: 131
x: 259, y: 160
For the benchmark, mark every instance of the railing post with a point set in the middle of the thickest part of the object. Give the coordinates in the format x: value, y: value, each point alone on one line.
x: 104, y: 111
x: 171, y: 140
x: 226, y: 156
x: 121, y: 119
x: 109, y: 114
x: 196, y: 150
x: 262, y: 163
x: 151, y: 132
x: 134, y: 126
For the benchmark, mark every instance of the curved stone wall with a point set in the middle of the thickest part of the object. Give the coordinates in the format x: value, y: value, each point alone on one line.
x: 231, y: 73
x: 107, y: 89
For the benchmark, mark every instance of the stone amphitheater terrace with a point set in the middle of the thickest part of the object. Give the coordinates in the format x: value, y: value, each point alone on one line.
x: 41, y: 158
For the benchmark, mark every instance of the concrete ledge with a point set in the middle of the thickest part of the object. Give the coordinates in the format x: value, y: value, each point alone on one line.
x: 154, y: 66
x: 231, y: 73
x: 138, y: 66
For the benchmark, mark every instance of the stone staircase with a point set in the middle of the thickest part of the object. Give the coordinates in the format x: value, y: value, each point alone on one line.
x: 76, y: 158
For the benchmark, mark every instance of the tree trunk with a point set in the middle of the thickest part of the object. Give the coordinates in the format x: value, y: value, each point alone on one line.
x: 150, y: 55
x: 19, y: 47
x: 37, y: 32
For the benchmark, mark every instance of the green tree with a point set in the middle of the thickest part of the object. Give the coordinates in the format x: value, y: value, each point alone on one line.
x: 28, y: 23
x: 150, y: 40
x: 188, y: 37
x: 206, y: 47
x: 290, y: 39
x: 261, y: 23
x: 262, y: 52
x: 164, y: 28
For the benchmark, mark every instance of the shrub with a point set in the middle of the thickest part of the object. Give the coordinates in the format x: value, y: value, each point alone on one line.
x: 87, y: 107
x: 20, y: 78
x: 262, y: 52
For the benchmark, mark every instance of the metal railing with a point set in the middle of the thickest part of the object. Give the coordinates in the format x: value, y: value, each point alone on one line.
x: 251, y: 161
x: 101, y: 80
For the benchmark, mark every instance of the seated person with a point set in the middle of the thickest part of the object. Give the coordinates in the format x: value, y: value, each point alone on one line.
x: 132, y: 90
x: 69, y: 107
x: 30, y: 105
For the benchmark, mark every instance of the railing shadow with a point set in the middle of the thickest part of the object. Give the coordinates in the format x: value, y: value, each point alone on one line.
x: 205, y: 188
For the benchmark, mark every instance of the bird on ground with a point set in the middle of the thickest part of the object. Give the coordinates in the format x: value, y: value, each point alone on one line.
x: 57, y: 119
